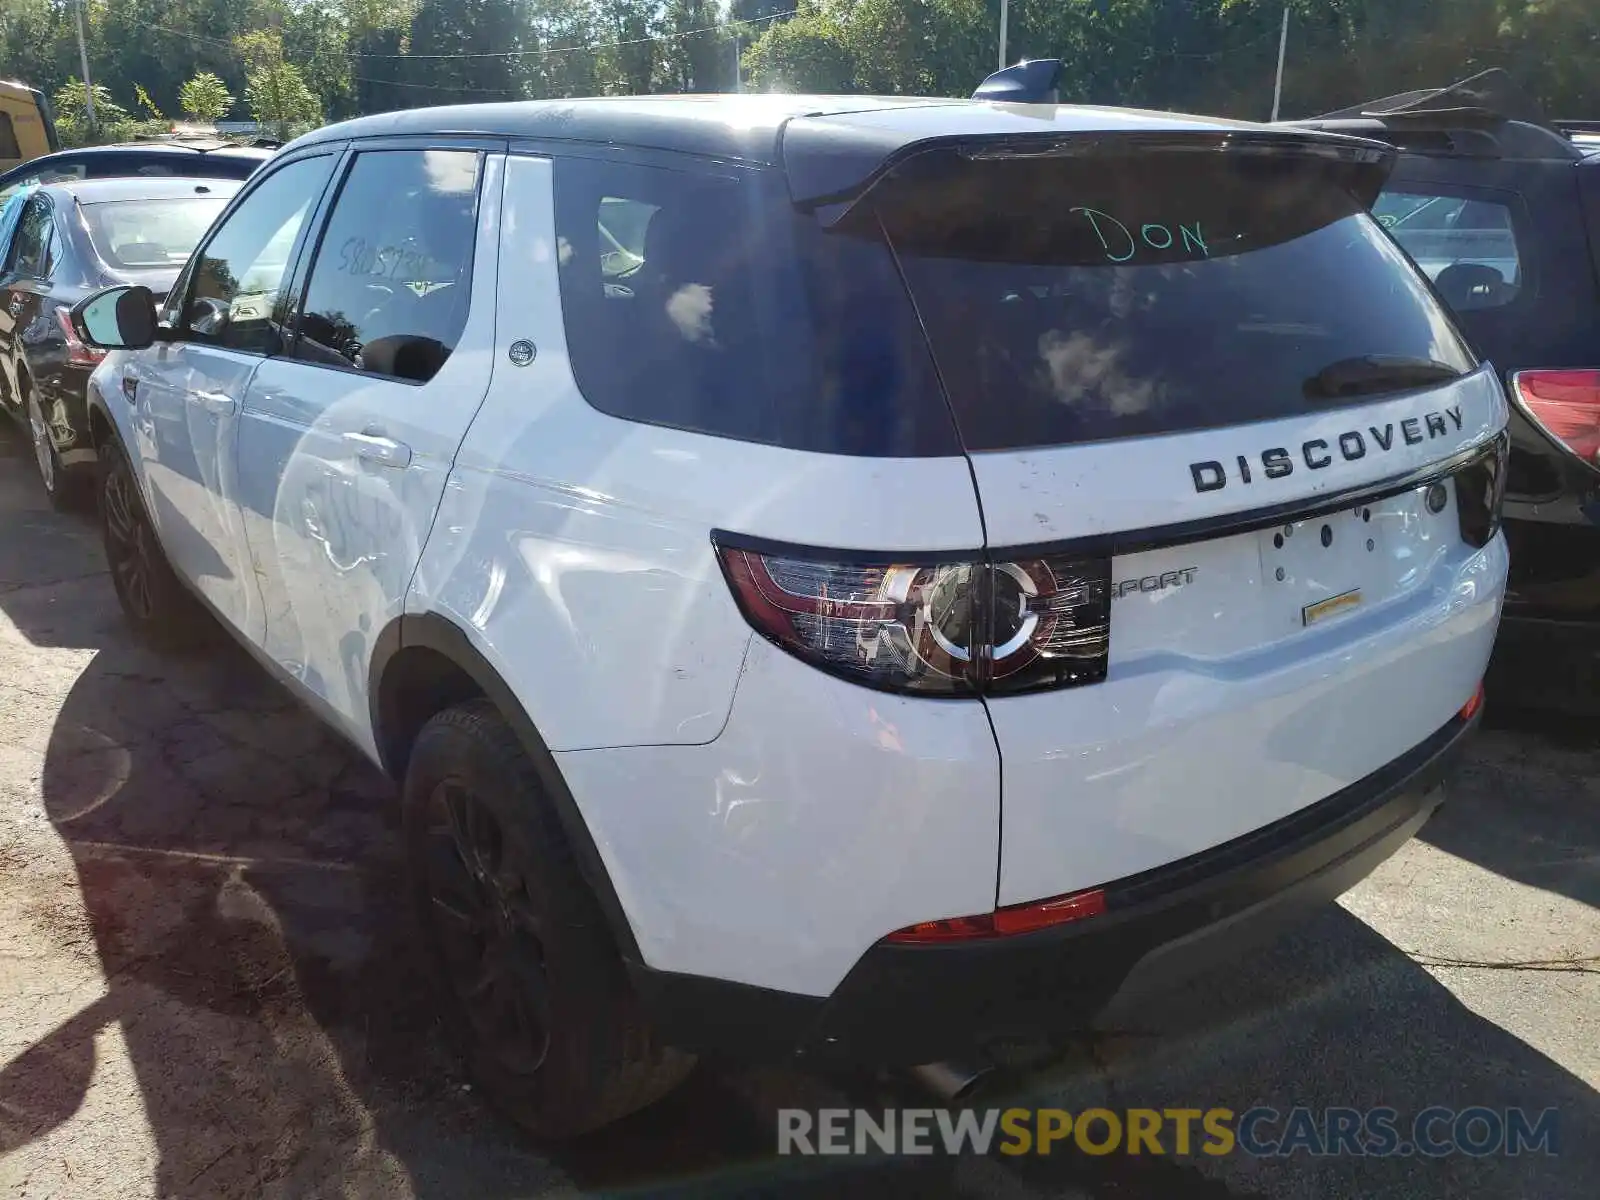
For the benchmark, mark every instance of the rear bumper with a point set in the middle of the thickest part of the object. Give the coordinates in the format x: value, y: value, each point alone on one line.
x: 902, y: 1005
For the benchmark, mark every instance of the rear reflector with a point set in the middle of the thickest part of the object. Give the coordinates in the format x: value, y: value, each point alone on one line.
x: 1566, y: 405
x: 78, y: 354
x: 1004, y: 922
x: 1471, y: 707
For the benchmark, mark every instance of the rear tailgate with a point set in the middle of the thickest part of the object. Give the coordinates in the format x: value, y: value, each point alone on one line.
x: 1201, y: 361
x: 1250, y: 673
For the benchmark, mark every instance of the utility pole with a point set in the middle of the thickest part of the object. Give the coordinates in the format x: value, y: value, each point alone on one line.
x: 1283, y: 45
x: 738, y: 66
x: 1005, y: 12
x: 88, y: 84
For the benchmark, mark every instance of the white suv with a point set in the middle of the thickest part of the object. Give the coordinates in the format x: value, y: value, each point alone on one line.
x: 840, y: 576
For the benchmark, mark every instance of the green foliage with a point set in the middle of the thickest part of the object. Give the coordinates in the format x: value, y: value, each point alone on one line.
x: 112, y: 122
x: 811, y: 53
x: 147, y: 105
x: 274, y: 88
x: 341, y: 57
x: 205, y: 98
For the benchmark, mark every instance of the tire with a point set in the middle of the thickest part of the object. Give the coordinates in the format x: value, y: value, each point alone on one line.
x: 63, y: 487
x: 532, y: 989
x: 157, y: 606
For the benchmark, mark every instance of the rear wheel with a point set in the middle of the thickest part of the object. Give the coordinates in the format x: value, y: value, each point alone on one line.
x: 59, y: 484
x: 534, y: 992
x: 152, y: 599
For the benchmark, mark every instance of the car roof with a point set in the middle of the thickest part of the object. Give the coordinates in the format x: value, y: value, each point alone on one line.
x: 747, y: 126
x: 832, y: 140
x: 156, y: 150
x: 142, y: 187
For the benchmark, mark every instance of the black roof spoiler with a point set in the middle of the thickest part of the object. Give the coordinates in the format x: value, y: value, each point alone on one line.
x: 1035, y: 81
x: 1484, y: 116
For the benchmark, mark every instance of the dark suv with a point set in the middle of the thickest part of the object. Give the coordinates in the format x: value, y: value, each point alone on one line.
x: 1500, y: 207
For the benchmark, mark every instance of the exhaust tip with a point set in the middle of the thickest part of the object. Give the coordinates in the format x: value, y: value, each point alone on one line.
x: 950, y: 1082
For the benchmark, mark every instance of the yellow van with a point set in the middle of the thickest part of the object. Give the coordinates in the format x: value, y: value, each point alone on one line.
x: 27, y: 129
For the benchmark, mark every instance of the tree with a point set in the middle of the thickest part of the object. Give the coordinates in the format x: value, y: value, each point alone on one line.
x: 274, y: 89
x: 205, y: 98
x: 809, y: 53
x: 696, y: 51
x: 466, y: 51
x: 72, y: 113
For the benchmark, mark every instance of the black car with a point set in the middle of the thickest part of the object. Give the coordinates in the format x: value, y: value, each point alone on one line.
x: 59, y: 243
x: 1500, y: 208
x: 201, y: 159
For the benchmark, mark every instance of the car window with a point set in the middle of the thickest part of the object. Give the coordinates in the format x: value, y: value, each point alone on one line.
x: 701, y: 300
x: 119, y: 166
x: 132, y: 235
x: 11, y: 206
x: 235, y: 294
x: 1175, y: 292
x: 389, y: 288
x: 622, y: 224
x: 1466, y: 244
x: 9, y: 147
x: 31, y: 248
x: 219, y: 166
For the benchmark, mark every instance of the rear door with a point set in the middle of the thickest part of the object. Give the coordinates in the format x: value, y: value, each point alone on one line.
x: 347, y: 440
x: 1210, y: 392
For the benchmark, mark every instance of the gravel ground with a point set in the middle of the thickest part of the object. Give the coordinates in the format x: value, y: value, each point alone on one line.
x: 207, y: 987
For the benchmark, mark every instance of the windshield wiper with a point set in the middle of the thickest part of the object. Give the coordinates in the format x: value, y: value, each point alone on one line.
x: 1370, y: 373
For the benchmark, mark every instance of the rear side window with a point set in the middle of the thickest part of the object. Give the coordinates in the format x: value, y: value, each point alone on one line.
x: 9, y: 148
x: 31, y: 248
x: 389, y: 289
x: 1466, y: 244
x: 1076, y: 299
x: 699, y: 299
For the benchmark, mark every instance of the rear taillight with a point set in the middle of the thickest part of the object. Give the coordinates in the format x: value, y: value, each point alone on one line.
x: 1481, y: 493
x: 1566, y: 405
x: 78, y: 354
x: 934, y: 627
x: 1004, y: 922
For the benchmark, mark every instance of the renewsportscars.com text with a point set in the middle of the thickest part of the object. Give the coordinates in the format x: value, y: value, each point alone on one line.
x: 1260, y: 1132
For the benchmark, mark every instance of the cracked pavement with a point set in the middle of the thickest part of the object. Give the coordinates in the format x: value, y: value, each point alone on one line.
x: 207, y: 987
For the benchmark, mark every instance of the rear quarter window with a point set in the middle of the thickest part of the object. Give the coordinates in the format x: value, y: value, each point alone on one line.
x: 700, y: 299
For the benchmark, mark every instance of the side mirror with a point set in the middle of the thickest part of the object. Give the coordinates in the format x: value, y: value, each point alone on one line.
x: 118, y: 318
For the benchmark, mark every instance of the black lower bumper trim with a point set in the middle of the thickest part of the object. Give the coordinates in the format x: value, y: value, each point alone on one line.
x: 902, y: 1005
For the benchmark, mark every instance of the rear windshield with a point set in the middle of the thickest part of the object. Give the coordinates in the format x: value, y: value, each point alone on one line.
x: 135, y: 235
x: 1087, y: 298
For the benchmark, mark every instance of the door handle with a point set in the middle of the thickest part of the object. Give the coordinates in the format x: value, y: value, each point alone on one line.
x: 376, y: 448
x: 216, y: 403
